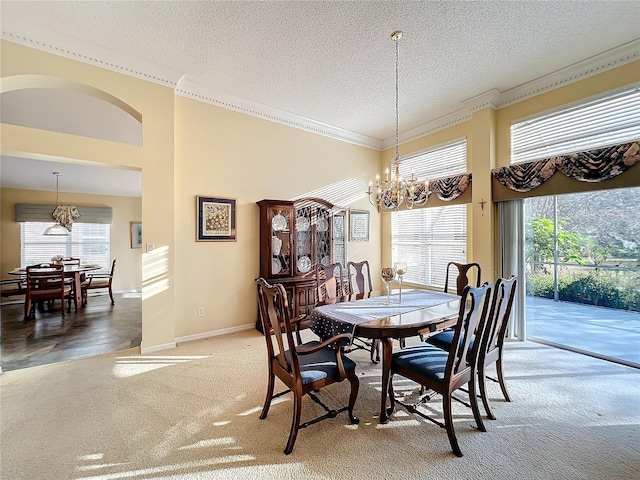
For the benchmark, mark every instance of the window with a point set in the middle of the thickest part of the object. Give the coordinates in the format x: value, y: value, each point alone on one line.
x: 595, y: 124
x: 428, y: 238
x: 90, y: 242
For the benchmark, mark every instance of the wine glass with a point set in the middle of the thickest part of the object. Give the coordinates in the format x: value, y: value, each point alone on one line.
x: 401, y: 269
x: 388, y: 274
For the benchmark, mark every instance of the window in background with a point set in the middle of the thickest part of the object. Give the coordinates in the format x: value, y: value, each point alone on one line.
x: 90, y: 242
x: 428, y: 238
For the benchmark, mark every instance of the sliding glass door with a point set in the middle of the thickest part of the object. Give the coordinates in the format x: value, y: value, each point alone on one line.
x: 582, y: 259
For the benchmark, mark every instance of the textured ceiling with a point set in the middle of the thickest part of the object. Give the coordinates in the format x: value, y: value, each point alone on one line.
x: 333, y: 62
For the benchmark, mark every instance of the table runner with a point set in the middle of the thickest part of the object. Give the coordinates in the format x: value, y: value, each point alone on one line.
x: 333, y: 319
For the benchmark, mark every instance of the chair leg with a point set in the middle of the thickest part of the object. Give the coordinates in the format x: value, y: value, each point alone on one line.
x: 392, y: 398
x: 375, y: 348
x: 503, y: 385
x: 111, y: 295
x: 448, y: 423
x: 482, y: 380
x: 269, y: 397
x: 355, y: 386
x: 295, y: 421
x: 473, y: 399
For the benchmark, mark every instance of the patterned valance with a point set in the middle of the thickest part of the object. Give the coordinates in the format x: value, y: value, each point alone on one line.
x: 65, y: 215
x: 590, y: 166
x: 450, y: 188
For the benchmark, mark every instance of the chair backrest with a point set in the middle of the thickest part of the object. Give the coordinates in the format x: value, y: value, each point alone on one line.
x: 474, y: 306
x: 498, y: 318
x: 276, y: 325
x: 462, y: 279
x: 330, y: 280
x: 359, y: 275
x: 113, y: 268
x: 71, y: 261
x: 45, y: 277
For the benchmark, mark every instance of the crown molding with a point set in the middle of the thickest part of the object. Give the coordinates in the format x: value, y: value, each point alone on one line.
x: 58, y: 44
x: 616, y: 57
x: 190, y: 89
x: 21, y: 33
x: 428, y: 128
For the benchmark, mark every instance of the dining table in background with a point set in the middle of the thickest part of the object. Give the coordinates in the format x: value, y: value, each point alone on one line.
x: 367, y: 315
x: 70, y: 271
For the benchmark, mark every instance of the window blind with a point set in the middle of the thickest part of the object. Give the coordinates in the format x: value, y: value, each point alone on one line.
x: 90, y: 242
x: 428, y: 238
x: 599, y: 123
x: 35, y: 212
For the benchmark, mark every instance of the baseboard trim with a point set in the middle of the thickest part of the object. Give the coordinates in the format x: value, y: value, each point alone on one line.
x: 157, y: 348
x: 215, y: 333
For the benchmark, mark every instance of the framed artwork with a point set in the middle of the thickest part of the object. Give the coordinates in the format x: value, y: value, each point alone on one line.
x: 359, y: 225
x: 215, y: 219
x: 136, y: 234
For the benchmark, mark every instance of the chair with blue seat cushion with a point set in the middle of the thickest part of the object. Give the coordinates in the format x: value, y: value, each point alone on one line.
x: 304, y: 368
x: 492, y: 338
x: 442, y: 371
x: 462, y: 278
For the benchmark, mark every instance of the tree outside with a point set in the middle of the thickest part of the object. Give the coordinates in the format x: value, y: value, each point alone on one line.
x: 598, y: 243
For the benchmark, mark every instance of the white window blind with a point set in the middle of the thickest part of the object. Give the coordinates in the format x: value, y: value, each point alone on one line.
x: 90, y: 242
x: 599, y: 123
x: 428, y: 238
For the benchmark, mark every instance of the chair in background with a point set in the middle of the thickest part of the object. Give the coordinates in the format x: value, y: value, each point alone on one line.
x: 303, y: 368
x: 97, y: 281
x: 359, y: 275
x: 71, y: 261
x: 462, y: 279
x: 445, y: 372
x: 46, y: 282
x: 330, y: 281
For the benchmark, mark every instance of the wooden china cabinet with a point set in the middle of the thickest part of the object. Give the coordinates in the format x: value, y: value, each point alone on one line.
x: 294, y: 237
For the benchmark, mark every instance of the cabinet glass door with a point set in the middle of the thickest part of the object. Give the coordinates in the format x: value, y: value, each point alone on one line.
x: 304, y: 244
x: 280, y: 242
x: 323, y: 236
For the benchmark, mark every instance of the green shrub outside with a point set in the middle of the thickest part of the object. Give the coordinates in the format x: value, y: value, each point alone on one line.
x: 604, y: 288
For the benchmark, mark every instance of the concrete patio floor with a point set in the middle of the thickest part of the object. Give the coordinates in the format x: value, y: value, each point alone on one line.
x: 604, y: 331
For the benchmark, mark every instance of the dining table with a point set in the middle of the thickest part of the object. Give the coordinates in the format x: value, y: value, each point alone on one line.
x: 369, y: 315
x: 70, y: 271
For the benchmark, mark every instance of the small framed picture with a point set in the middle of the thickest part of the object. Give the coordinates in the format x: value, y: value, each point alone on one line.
x: 215, y: 219
x: 136, y: 234
x: 359, y: 225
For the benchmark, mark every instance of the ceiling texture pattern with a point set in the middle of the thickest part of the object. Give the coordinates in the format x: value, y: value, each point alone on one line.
x: 329, y: 66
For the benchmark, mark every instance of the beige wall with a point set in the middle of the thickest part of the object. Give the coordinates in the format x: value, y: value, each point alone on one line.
x: 222, y: 153
x: 125, y: 209
x: 216, y: 152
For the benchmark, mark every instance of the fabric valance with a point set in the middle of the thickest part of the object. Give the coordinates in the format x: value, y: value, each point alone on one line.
x: 450, y: 188
x: 590, y: 166
x: 32, y: 212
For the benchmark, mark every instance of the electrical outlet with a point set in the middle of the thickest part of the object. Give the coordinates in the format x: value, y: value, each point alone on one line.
x: 201, y: 311
x: 150, y: 247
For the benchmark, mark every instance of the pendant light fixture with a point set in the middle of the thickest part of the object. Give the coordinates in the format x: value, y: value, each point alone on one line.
x: 394, y: 191
x: 57, y: 229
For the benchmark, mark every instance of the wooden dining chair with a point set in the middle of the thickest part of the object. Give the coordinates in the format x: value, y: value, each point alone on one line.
x: 330, y: 281
x: 462, y: 278
x: 304, y: 368
x: 492, y: 339
x: 96, y: 281
x: 445, y: 372
x: 46, y: 282
x: 359, y: 275
x: 359, y: 279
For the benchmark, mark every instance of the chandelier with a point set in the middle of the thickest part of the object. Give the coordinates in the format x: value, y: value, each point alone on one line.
x: 394, y: 191
x: 57, y: 229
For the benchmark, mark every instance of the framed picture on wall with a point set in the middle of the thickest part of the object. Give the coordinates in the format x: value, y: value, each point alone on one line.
x: 359, y: 225
x: 215, y: 219
x: 136, y: 234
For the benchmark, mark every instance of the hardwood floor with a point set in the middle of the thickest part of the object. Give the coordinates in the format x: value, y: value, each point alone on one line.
x: 50, y: 338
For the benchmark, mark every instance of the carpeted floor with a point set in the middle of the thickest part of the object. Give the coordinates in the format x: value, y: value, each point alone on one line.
x: 192, y: 413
